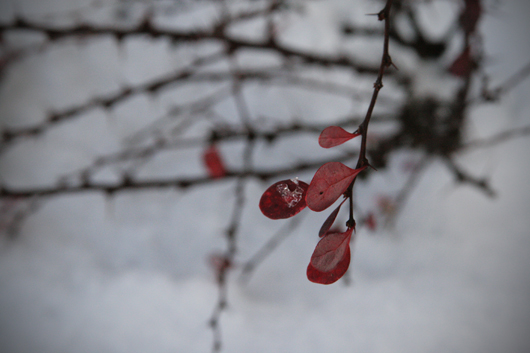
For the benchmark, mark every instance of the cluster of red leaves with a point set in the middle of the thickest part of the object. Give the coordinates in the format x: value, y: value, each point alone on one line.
x: 286, y: 198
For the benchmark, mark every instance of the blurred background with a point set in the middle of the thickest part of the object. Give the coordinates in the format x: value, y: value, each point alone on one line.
x: 137, y: 137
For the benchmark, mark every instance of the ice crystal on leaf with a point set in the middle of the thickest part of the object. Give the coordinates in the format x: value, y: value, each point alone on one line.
x: 290, y: 197
x: 284, y: 199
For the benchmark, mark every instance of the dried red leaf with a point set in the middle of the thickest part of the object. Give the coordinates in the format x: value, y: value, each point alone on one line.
x: 370, y: 222
x: 329, y: 221
x: 214, y: 163
x: 462, y: 65
x: 330, y: 181
x: 386, y: 205
x: 331, y: 258
x: 284, y: 199
x: 333, y: 136
x: 220, y: 263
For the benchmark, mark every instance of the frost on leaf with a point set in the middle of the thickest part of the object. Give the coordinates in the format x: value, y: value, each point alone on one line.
x: 214, y: 163
x: 330, y: 181
x: 290, y: 197
x: 333, y: 136
x: 331, y: 258
x: 284, y: 199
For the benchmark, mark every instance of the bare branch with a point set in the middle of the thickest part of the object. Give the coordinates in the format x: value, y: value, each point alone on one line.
x: 498, y: 138
x: 463, y: 177
x: 255, y: 260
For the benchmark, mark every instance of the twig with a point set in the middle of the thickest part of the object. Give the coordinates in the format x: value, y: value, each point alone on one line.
x: 492, y: 95
x: 463, y: 177
x: 9, y: 135
x: 406, y: 190
x: 250, y: 265
x: 386, y: 61
x: 496, y: 139
x: 231, y: 232
x: 147, y: 28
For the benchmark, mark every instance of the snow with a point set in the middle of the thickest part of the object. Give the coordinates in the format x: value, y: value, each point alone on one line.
x: 128, y: 273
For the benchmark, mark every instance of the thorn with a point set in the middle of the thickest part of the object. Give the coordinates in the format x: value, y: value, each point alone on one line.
x: 388, y: 60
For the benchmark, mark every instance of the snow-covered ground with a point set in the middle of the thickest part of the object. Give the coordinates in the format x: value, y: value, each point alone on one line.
x: 130, y: 273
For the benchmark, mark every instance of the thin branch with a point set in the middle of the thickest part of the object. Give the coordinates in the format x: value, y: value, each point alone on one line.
x: 13, y: 213
x: 492, y: 95
x: 177, y: 182
x: 404, y: 193
x: 233, y: 228
x: 496, y: 139
x: 147, y: 28
x: 8, y: 135
x: 255, y: 260
x: 463, y: 177
x: 386, y: 61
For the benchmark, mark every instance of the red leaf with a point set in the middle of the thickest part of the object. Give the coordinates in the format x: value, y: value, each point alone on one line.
x: 331, y: 258
x: 329, y: 221
x: 330, y: 181
x: 284, y: 199
x: 214, y: 163
x: 370, y: 222
x: 333, y: 136
x: 462, y: 65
